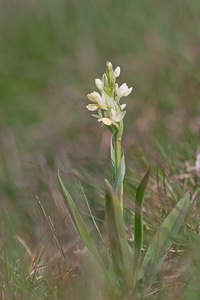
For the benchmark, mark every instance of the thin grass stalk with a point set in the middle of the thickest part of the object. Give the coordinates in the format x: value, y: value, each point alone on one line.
x: 51, y: 226
x: 91, y: 214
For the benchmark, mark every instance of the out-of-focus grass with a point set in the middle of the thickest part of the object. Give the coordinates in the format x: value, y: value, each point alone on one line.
x: 49, y: 54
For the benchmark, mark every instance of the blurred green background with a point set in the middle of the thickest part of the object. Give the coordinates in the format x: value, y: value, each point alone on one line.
x: 50, y: 53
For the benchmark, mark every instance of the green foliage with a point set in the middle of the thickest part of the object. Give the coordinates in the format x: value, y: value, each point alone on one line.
x: 163, y: 239
x: 138, y: 230
x: 119, y: 179
x: 80, y: 225
x: 122, y: 255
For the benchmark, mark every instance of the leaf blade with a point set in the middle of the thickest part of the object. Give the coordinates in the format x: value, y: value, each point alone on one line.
x: 80, y: 225
x: 163, y: 239
x: 138, y: 229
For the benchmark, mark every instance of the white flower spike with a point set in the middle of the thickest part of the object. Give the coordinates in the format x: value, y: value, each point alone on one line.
x: 110, y: 111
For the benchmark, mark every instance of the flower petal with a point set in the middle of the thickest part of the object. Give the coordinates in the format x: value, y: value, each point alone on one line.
x: 117, y: 72
x: 95, y: 116
x: 128, y: 92
x: 123, y: 106
x: 109, y: 65
x: 99, y: 84
x: 124, y: 90
x: 92, y: 107
x: 106, y: 121
x: 123, y: 87
x: 94, y: 97
x: 120, y: 116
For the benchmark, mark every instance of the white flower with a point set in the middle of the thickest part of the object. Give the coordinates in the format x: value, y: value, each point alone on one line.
x: 124, y: 90
x: 99, y: 101
x: 110, y: 111
x: 117, y: 72
x: 116, y: 116
x: 99, y: 84
x: 92, y: 107
x: 111, y: 117
x: 94, y: 97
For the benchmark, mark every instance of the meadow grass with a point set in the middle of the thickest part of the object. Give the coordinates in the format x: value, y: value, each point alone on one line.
x: 50, y: 54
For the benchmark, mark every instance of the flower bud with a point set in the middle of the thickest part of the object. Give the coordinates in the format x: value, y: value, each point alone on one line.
x: 117, y: 72
x: 99, y: 84
x: 94, y: 97
x: 109, y: 65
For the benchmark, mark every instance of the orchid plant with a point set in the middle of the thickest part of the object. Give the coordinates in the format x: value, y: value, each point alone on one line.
x: 123, y: 268
x: 111, y: 114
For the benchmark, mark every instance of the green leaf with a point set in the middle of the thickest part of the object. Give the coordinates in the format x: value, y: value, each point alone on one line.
x: 138, y: 230
x: 122, y: 256
x: 80, y: 225
x: 163, y: 240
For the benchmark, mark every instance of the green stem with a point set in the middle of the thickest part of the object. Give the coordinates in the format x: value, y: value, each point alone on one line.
x: 118, y: 155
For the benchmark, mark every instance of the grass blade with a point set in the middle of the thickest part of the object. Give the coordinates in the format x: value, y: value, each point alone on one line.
x: 138, y: 230
x: 91, y: 214
x: 80, y: 225
x: 163, y: 240
x: 51, y: 225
